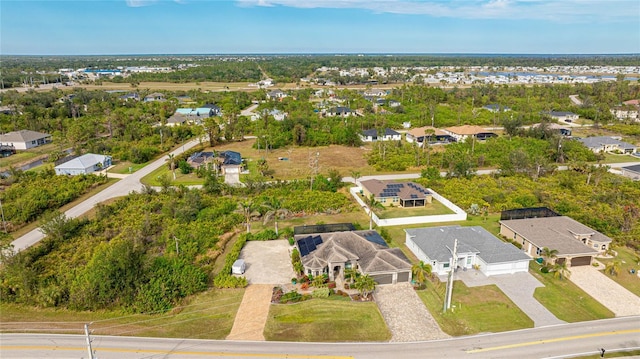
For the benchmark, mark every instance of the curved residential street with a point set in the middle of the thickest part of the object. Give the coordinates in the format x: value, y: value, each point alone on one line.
x: 558, y: 341
x: 123, y: 187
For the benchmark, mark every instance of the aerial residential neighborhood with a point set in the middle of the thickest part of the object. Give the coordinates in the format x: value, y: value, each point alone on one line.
x: 320, y: 179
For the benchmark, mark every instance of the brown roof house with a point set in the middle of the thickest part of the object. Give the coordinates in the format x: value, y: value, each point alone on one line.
x: 431, y: 134
x: 365, y: 251
x: 388, y: 193
x: 461, y: 133
x: 575, y: 242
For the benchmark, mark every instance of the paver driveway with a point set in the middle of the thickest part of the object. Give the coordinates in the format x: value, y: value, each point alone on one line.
x: 609, y: 293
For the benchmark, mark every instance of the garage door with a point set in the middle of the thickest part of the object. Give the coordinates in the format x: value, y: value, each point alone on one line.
x: 383, y: 278
x: 403, y: 277
x: 580, y: 261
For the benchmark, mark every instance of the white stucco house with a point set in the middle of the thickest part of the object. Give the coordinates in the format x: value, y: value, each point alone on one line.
x: 24, y: 139
x: 476, y: 248
x: 372, y: 135
x: 84, y: 164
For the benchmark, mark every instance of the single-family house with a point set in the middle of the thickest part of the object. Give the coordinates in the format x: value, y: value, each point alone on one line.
x: 200, y: 159
x: 133, y: 96
x: 431, y: 134
x: 214, y: 109
x: 461, y: 133
x: 365, y: 251
x: 576, y: 243
x: 626, y: 113
x: 199, y: 112
x: 632, y: 172
x: 231, y: 162
x: 555, y: 127
x: 85, y: 164
x: 374, y: 93
x: 372, y: 135
x: 24, y: 139
x: 340, y: 111
x: 177, y: 119
x: 562, y: 116
x: 276, y: 95
x: 155, y: 96
x: 402, y: 194
x: 599, y: 144
x: 476, y: 248
x: 496, y: 108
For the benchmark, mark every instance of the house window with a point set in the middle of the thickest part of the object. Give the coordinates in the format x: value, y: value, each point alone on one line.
x: 347, y: 265
x: 468, y: 260
x: 309, y: 272
x: 604, y: 246
x: 538, y: 251
x: 595, y: 245
x: 446, y: 265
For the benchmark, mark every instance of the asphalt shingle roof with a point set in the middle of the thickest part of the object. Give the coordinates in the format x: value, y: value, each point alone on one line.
x: 597, y: 141
x: 22, y: 136
x: 434, y: 242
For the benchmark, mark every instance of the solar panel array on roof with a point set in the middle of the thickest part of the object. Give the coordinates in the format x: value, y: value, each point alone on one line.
x: 308, y: 244
x: 374, y: 237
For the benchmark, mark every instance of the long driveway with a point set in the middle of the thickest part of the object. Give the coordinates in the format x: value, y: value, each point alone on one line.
x: 121, y: 188
x: 603, y: 289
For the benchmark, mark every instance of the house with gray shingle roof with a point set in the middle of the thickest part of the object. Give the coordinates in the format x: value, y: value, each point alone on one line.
x: 600, y: 144
x: 632, y: 172
x: 83, y: 165
x: 402, y: 194
x: 476, y: 248
x: 24, y: 139
x: 372, y: 135
x: 365, y: 251
x: 575, y: 242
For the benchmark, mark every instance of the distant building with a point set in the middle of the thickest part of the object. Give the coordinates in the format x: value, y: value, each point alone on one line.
x: 432, y: 135
x: 276, y: 95
x: 496, y: 108
x: 25, y: 139
x: 461, y: 133
x: 373, y: 136
x: 156, y: 96
x: 340, y: 111
x: 599, y: 144
x: 388, y: 193
x: 562, y: 116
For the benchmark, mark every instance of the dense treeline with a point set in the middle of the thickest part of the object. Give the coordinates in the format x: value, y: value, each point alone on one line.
x: 27, y: 195
x: 146, y: 251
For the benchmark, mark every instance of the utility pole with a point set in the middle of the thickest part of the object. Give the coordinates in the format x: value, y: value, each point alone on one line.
x: 454, y: 263
x: 177, y: 250
x: 86, y: 333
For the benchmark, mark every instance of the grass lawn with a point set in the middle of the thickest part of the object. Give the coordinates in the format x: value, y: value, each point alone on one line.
x: 122, y: 167
x: 477, y: 310
x: 208, y: 315
x: 614, y: 158
x: 435, y: 208
x: 630, y: 260
x: 190, y: 179
x: 325, y: 320
x: 566, y: 300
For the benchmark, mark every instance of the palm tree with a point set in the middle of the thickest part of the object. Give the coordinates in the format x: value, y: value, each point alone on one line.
x: 247, y: 208
x: 172, y: 165
x: 549, y: 255
x: 275, y: 211
x: 560, y: 270
x: 350, y: 275
x: 613, y: 267
x: 365, y: 285
x: 355, y: 175
x: 421, y: 271
x: 372, y: 204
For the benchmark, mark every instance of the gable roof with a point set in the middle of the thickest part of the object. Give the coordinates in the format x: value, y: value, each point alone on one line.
x: 362, y: 246
x: 85, y: 161
x: 403, y: 190
x: 435, y: 240
x: 23, y: 136
x: 420, y: 131
x: 466, y: 130
x: 231, y: 158
x: 556, y: 233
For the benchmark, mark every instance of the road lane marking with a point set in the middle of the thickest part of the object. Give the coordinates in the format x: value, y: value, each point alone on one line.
x: 553, y: 340
x: 174, y: 352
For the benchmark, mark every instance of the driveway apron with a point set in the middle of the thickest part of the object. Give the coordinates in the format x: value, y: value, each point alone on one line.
x: 252, y: 314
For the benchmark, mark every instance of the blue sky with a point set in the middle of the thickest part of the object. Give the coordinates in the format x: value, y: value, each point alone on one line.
x: 53, y: 27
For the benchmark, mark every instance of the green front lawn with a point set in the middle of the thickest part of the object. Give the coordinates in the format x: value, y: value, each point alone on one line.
x: 153, y: 178
x: 122, y: 167
x: 207, y: 315
x: 325, y: 320
x: 629, y: 260
x: 477, y: 309
x: 435, y: 208
x: 566, y: 300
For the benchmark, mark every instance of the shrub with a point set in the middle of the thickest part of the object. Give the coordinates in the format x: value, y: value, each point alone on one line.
x: 321, y: 293
x: 291, y: 297
x: 265, y: 235
x: 304, y: 286
x: 544, y: 270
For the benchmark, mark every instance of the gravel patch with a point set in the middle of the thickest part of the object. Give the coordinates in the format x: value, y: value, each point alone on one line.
x: 609, y: 293
x: 406, y: 316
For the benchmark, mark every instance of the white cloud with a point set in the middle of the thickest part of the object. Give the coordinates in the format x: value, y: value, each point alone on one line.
x: 557, y: 10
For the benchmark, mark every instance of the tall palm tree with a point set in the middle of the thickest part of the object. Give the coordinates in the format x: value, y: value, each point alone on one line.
x: 172, y: 164
x: 372, y: 204
x: 247, y: 208
x: 275, y: 211
x: 421, y: 271
x: 355, y: 175
x: 560, y: 270
x: 613, y: 267
x: 549, y: 255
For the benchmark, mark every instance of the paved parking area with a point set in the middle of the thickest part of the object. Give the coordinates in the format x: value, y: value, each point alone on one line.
x: 268, y: 262
x: 609, y: 293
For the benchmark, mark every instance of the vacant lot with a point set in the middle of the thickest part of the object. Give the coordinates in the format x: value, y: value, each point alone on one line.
x: 477, y: 309
x: 326, y: 320
x: 628, y: 260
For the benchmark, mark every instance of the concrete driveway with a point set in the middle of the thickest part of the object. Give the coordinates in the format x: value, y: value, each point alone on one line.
x: 268, y: 262
x: 612, y: 295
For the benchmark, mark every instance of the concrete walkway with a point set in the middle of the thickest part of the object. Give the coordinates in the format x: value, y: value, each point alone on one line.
x: 252, y: 314
x: 519, y: 287
x: 609, y: 293
x: 406, y: 316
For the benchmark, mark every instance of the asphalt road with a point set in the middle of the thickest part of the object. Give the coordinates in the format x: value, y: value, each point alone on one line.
x: 545, y: 342
x: 121, y: 188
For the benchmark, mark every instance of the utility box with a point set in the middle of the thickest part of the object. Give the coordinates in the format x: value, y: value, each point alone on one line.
x: 238, y: 267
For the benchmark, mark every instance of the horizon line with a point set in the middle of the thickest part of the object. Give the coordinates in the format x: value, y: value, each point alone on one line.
x: 462, y: 54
